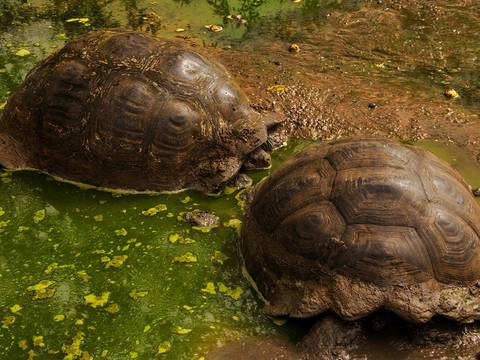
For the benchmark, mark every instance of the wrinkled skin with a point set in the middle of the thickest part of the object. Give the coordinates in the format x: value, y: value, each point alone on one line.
x: 124, y: 110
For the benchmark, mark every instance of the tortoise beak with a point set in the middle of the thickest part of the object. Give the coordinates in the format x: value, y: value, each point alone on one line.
x: 260, y: 158
x: 275, y: 139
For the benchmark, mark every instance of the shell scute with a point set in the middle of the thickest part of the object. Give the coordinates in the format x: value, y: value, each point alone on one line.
x: 283, y: 196
x: 379, y: 195
x: 64, y: 103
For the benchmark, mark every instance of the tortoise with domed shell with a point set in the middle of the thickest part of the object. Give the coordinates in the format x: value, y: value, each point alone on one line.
x: 365, y: 224
x: 125, y: 110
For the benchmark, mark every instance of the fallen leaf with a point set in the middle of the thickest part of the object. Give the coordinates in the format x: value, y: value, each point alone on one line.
x: 134, y: 294
x: 38, y: 341
x: 209, y: 288
x: 164, y: 347
x: 22, y: 53
x: 181, y: 331
x: 97, y: 300
x: 39, y: 216
x: 15, y: 308
x: 277, y: 88
x: 185, y: 258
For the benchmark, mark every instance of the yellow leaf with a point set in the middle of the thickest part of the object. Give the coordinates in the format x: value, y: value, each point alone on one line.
x: 134, y: 294
x: 182, y: 331
x: 15, y: 308
x: 39, y: 216
x: 42, y: 290
x: 113, y: 308
x: 173, y: 238
x: 219, y: 257
x: 41, y: 285
x: 155, y: 210
x: 234, y: 293
x: 117, y: 261
x: 277, y: 88
x: 164, y: 347
x: 59, y: 317
x: 2, y: 212
x: 98, y: 217
x: 22, y: 52
x: 97, y: 301
x: 82, y: 274
x: 186, y: 258
x: 22, y: 344
x: 209, y: 288
x: 7, y: 321
x: 204, y: 229
x: 38, y: 341
x: 234, y: 224
x: 121, y: 232
x: 186, y: 200
x: 2, y: 105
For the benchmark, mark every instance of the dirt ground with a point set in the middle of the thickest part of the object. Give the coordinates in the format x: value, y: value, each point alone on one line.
x: 380, y: 70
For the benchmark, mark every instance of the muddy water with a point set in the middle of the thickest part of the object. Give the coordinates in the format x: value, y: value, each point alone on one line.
x: 123, y: 285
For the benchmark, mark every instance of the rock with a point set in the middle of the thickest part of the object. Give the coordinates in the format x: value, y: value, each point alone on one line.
x: 330, y: 339
x: 201, y: 218
x: 240, y: 181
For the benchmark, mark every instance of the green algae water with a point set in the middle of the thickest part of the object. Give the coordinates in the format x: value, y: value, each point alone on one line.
x: 89, y: 273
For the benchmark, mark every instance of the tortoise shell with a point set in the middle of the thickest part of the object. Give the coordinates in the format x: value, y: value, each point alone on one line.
x: 363, y: 224
x: 124, y: 110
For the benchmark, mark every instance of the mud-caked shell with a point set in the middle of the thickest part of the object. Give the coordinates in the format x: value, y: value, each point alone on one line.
x: 125, y: 110
x: 364, y: 224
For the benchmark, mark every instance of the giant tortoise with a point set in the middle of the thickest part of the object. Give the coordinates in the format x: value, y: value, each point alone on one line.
x: 360, y: 225
x: 125, y: 110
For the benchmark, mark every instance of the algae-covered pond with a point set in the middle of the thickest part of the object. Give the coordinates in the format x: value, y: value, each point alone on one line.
x: 88, y: 273
x: 83, y: 270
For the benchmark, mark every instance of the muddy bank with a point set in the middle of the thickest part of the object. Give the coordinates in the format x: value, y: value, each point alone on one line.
x: 380, y: 68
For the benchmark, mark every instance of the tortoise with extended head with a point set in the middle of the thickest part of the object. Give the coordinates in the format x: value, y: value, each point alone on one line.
x: 365, y: 224
x: 124, y: 110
